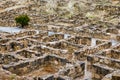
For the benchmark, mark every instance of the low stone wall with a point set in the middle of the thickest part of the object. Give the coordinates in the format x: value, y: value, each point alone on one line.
x: 109, y: 8
x: 86, y: 51
x: 112, y: 76
x: 112, y: 30
x: 24, y: 67
x: 11, y: 46
x: 52, y: 38
x: 70, y: 72
x: 25, y: 33
x: 80, y: 40
x: 99, y: 71
x: 8, y: 58
x: 104, y: 63
x: 117, y: 47
x: 101, y: 35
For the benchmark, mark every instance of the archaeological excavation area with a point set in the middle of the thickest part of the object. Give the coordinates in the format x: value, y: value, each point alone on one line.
x: 59, y: 47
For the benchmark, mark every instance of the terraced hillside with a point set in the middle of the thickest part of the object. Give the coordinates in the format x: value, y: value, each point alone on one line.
x: 65, y: 40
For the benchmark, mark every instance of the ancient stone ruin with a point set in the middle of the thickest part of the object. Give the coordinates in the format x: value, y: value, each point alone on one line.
x: 56, y: 48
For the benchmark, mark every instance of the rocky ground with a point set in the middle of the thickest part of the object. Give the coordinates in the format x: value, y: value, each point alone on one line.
x: 65, y: 40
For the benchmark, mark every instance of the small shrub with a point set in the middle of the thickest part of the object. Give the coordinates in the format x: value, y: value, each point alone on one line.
x: 23, y: 20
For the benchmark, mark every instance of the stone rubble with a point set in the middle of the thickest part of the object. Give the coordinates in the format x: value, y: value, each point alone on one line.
x: 58, y: 49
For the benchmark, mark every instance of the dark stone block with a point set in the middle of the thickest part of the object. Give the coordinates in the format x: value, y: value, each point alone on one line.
x: 89, y: 58
x: 115, y: 77
x: 50, y: 78
x: 60, y: 78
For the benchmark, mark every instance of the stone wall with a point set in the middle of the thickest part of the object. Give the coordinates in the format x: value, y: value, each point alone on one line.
x: 23, y: 67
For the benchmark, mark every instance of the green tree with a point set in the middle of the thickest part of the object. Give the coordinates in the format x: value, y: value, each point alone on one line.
x: 23, y: 20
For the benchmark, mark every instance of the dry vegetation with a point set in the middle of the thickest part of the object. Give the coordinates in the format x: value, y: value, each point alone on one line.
x: 84, y: 8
